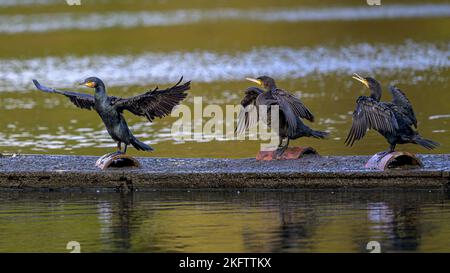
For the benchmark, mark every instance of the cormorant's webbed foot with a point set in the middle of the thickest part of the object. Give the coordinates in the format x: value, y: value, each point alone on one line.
x: 119, y: 150
x: 391, y: 150
x: 111, y: 154
x: 115, y: 153
x: 385, y: 153
x: 281, y: 149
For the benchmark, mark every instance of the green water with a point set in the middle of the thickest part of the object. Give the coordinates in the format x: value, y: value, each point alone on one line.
x: 33, y: 122
x: 226, y: 221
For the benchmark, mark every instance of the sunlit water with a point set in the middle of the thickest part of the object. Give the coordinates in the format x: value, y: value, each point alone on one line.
x: 285, y: 63
x: 226, y: 221
x: 6, y: 3
x: 95, y: 21
x: 310, y: 49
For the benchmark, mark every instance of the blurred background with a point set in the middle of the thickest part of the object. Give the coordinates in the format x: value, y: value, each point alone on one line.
x: 310, y: 47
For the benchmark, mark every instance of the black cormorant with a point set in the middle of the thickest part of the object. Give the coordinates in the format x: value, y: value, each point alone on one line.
x: 292, y: 111
x: 154, y: 103
x: 393, y: 120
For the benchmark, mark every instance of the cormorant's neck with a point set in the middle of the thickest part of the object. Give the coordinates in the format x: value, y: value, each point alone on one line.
x: 375, y: 92
x: 271, y: 87
x: 100, y: 92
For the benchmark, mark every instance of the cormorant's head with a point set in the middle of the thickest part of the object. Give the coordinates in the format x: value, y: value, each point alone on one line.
x: 368, y: 82
x: 92, y: 82
x: 373, y: 85
x: 264, y: 81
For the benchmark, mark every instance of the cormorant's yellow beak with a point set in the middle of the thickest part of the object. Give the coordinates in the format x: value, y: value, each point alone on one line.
x: 259, y: 82
x: 360, y: 79
x: 88, y: 84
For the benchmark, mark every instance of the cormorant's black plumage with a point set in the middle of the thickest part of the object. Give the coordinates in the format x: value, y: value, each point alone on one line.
x: 292, y: 111
x: 154, y: 103
x: 393, y: 120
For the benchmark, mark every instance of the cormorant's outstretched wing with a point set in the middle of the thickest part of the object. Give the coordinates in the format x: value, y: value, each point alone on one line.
x: 292, y: 108
x: 84, y: 101
x: 248, y: 116
x: 299, y: 109
x: 154, y: 103
x: 403, y: 106
x: 370, y: 114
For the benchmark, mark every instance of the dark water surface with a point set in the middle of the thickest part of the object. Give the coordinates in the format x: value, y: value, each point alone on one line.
x: 303, y: 221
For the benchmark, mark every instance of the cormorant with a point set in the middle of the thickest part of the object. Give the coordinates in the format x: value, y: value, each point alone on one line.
x: 393, y: 120
x: 154, y: 103
x: 292, y: 110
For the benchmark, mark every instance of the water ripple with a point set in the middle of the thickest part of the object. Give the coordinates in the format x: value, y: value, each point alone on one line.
x: 9, y: 3
x: 439, y: 117
x: 204, y: 66
x: 94, y: 21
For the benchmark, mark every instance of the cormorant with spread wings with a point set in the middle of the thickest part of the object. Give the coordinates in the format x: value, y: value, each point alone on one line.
x: 154, y: 103
x: 291, y: 112
x: 393, y: 120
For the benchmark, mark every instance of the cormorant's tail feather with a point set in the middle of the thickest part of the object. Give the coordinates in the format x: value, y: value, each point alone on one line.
x: 303, y: 130
x: 426, y: 143
x: 319, y: 134
x: 140, y: 145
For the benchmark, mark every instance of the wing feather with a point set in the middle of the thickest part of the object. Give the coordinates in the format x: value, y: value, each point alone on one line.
x: 403, y: 106
x: 295, y: 104
x: 154, y: 103
x: 248, y: 115
x: 84, y: 101
x: 292, y: 108
x: 370, y: 114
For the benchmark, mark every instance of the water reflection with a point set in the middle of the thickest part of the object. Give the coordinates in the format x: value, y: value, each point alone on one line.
x: 306, y: 221
x: 121, y: 225
x: 400, y: 224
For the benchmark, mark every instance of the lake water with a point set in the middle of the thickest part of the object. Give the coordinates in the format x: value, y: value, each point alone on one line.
x: 229, y: 221
x: 310, y: 48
